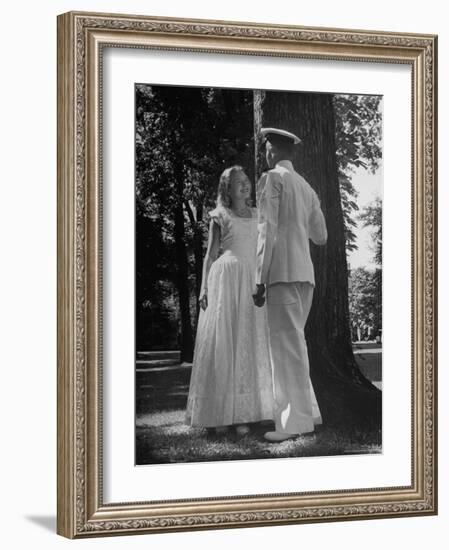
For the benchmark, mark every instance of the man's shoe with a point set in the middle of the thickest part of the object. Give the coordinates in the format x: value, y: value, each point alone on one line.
x: 277, y: 437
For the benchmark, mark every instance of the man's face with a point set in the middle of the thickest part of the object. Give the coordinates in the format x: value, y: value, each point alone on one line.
x: 270, y: 155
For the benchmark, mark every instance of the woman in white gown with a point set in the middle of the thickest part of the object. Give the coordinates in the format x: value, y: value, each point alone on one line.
x: 231, y: 381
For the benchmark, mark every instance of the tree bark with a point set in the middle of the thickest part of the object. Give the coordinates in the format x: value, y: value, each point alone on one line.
x: 343, y: 393
x: 182, y: 284
x: 198, y: 250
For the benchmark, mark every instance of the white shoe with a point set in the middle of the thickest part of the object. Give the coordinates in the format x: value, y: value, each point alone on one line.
x: 221, y: 430
x: 277, y: 437
x: 242, y: 429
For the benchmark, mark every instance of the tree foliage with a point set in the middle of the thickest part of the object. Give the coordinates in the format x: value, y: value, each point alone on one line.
x: 185, y: 137
x: 365, y: 286
x: 365, y: 302
x: 371, y: 216
x: 358, y: 135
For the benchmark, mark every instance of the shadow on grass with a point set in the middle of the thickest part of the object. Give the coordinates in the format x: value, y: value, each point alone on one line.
x: 162, y: 437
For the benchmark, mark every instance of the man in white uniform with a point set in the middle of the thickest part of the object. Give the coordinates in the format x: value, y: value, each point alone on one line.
x: 289, y: 215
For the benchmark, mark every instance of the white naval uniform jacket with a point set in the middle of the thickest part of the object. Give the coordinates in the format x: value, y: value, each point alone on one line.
x: 289, y: 215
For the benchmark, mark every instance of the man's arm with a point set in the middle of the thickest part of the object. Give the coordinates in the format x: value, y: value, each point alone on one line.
x: 317, y: 223
x: 268, y: 225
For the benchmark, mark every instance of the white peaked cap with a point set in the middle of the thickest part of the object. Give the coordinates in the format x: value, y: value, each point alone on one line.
x: 284, y: 133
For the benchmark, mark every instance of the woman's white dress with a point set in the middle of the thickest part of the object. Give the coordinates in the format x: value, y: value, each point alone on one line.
x: 231, y: 381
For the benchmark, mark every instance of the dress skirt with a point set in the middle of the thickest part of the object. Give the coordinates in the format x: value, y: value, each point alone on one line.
x: 231, y: 380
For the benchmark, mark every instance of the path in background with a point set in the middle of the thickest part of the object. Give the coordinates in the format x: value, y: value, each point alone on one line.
x: 162, y: 382
x: 367, y: 354
x: 369, y: 359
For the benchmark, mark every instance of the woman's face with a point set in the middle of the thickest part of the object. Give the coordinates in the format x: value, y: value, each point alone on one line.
x: 240, y: 187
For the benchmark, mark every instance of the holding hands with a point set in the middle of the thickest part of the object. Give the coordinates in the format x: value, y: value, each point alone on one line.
x: 259, y: 296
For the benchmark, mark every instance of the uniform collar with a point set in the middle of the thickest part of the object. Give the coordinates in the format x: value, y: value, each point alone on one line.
x: 286, y: 164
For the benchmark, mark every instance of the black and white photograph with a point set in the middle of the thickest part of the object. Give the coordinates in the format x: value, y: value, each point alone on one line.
x: 258, y: 286
x: 223, y: 326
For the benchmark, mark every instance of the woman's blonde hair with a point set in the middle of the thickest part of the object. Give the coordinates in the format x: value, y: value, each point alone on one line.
x: 224, y: 186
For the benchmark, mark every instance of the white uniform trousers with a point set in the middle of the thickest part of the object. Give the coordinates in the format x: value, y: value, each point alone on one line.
x: 296, y: 408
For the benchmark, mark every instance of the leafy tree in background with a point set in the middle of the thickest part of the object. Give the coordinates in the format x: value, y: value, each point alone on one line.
x: 365, y: 301
x: 371, y: 216
x: 365, y: 286
x: 185, y: 137
x: 358, y: 137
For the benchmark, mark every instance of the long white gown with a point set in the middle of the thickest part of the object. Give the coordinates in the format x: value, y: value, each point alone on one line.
x: 231, y: 381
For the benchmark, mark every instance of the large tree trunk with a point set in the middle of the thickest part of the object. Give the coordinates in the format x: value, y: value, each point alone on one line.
x: 343, y: 393
x: 198, y: 249
x: 182, y: 284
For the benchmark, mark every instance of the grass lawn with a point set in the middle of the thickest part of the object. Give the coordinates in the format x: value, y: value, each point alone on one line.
x: 162, y: 436
x: 369, y: 360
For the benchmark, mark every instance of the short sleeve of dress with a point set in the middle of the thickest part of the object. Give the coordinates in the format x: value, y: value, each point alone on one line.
x: 221, y: 217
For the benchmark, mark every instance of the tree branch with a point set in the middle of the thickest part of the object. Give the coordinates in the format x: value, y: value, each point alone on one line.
x: 190, y: 213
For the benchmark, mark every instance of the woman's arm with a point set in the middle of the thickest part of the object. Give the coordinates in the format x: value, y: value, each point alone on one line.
x: 213, y: 246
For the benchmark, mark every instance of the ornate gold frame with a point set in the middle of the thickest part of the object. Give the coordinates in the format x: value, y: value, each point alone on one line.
x: 81, y: 37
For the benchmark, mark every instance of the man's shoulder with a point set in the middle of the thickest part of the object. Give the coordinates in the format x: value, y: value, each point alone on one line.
x: 276, y: 174
x: 304, y: 183
x: 277, y: 170
x: 283, y: 172
x: 271, y: 176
